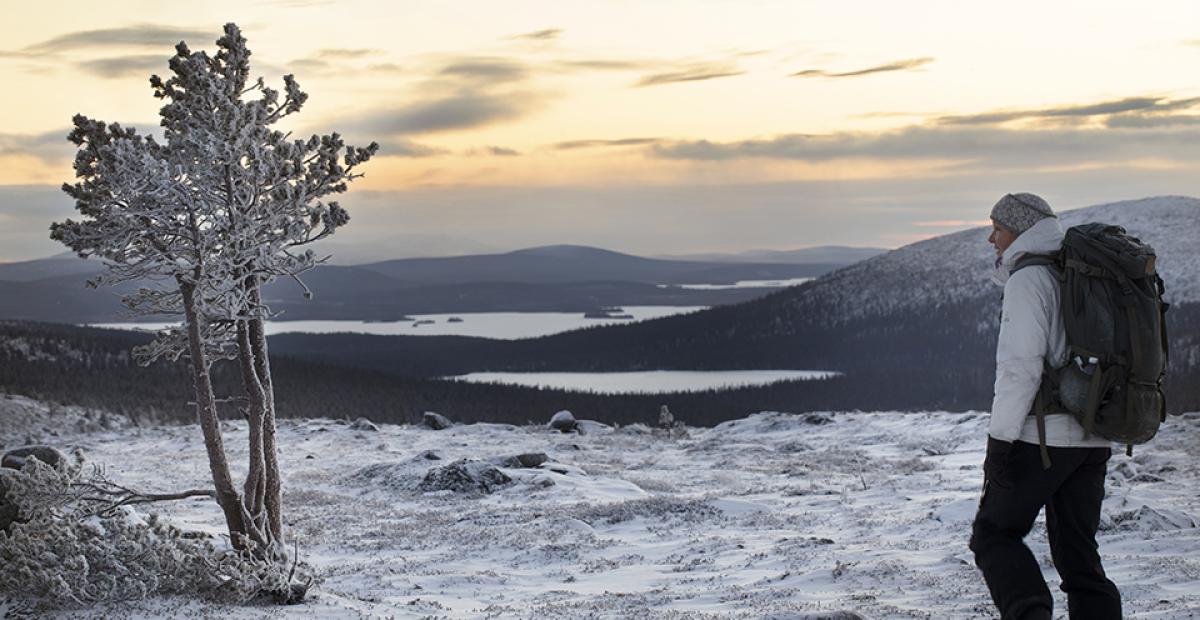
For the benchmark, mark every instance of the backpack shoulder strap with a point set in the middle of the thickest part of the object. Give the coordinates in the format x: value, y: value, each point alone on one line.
x: 1029, y: 260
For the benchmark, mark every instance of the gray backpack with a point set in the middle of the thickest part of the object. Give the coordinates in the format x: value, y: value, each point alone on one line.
x: 1114, y: 316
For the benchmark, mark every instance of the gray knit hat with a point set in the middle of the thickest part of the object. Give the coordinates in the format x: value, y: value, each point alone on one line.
x: 1019, y: 212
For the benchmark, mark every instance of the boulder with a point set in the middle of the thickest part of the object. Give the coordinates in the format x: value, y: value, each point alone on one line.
x: 15, y: 458
x: 436, y: 421
x: 528, y: 460
x: 363, y: 424
x: 428, y: 455
x: 469, y: 476
x: 564, y: 421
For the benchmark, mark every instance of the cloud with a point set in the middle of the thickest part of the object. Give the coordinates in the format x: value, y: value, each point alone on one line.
x: 1143, y: 121
x: 340, y: 62
x: 484, y: 71
x: 969, y: 145
x: 693, y: 73
x: 464, y: 110
x: 385, y: 67
x: 601, y: 64
x: 549, y: 34
x: 20, y: 54
x: 500, y: 151
x: 459, y: 92
x: 138, y: 35
x: 343, y: 53
x: 583, y: 144
x: 311, y: 65
x: 49, y: 146
x: 123, y: 66
x: 1104, y: 108
x: 399, y: 147
x: 899, y: 65
x: 951, y: 223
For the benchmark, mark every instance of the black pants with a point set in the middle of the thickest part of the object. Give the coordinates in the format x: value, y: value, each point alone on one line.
x: 1016, y: 487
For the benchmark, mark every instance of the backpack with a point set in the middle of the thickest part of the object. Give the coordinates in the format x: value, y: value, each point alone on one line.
x: 1115, y: 321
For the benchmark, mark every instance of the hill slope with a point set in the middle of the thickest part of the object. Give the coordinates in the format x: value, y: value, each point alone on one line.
x: 920, y: 319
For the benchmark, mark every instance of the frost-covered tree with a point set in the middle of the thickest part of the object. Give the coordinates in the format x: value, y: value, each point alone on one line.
x: 221, y: 206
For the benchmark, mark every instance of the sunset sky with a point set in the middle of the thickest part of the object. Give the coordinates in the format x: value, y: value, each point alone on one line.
x: 652, y: 127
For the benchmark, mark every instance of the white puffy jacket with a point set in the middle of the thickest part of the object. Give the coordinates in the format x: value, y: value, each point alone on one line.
x: 1031, y: 330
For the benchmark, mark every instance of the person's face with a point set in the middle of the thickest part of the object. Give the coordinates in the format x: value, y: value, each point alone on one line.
x: 1001, y: 238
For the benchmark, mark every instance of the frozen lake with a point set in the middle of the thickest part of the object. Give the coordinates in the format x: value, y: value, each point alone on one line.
x: 646, y: 382
x: 742, y: 284
x: 500, y: 325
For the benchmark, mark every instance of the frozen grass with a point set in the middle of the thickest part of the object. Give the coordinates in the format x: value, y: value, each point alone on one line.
x: 771, y: 514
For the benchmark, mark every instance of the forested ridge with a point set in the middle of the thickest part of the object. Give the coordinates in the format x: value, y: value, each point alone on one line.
x: 93, y: 367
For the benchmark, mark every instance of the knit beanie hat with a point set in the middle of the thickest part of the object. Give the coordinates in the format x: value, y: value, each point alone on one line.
x: 1019, y: 212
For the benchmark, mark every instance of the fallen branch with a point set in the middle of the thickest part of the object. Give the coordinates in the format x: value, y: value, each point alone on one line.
x: 104, y: 497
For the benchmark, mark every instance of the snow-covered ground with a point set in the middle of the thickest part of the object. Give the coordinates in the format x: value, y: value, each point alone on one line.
x: 772, y: 516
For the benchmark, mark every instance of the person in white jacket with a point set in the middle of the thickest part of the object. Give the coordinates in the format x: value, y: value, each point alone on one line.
x: 1016, y: 484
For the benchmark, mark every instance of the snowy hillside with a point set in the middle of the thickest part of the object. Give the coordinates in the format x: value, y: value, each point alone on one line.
x: 771, y: 516
x: 954, y: 268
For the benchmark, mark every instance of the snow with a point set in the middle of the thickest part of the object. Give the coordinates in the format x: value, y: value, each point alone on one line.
x: 772, y: 515
x: 562, y: 417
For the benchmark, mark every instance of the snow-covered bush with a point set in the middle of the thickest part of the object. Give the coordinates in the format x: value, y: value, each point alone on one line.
x: 62, y: 554
x: 658, y: 508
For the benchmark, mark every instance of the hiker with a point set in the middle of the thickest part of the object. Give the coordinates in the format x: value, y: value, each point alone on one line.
x: 1017, y: 481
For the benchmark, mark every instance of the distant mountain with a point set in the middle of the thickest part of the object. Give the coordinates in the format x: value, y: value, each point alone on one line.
x: 571, y: 263
x: 65, y: 264
x: 358, y: 247
x: 829, y: 254
x: 920, y: 321
x: 551, y: 278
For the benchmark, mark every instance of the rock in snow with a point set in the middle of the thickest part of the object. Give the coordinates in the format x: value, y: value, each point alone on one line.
x: 436, y: 421
x: 15, y: 458
x: 525, y: 461
x: 465, y: 476
x: 564, y: 421
x: 363, y: 424
x: 1147, y: 519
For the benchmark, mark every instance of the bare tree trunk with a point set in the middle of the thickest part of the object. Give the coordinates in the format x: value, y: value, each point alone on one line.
x: 274, y: 492
x: 206, y: 409
x: 255, y: 488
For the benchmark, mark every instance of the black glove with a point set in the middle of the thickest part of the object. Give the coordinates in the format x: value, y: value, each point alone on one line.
x: 995, y: 464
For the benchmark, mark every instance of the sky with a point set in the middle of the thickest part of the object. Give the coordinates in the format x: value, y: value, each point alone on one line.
x: 654, y: 126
